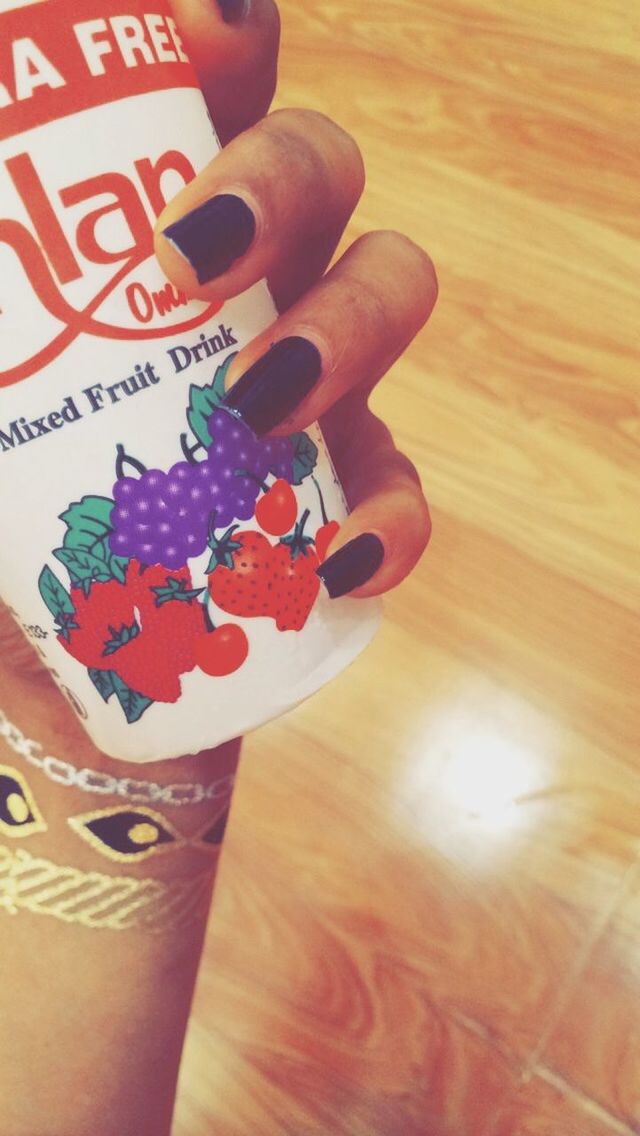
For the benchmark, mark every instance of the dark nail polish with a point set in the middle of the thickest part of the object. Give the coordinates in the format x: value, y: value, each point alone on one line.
x: 232, y: 10
x: 352, y: 565
x: 213, y: 235
x: 276, y: 384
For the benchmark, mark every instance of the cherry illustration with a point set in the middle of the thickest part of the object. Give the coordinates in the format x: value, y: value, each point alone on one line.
x: 277, y: 510
x: 222, y: 650
x: 327, y: 530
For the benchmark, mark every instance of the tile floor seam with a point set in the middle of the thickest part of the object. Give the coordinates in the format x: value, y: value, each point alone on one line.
x: 583, y: 1099
x: 582, y: 958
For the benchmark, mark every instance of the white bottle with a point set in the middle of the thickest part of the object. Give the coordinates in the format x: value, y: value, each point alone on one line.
x: 104, y: 367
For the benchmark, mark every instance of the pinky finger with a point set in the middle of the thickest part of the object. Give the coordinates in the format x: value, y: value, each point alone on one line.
x: 389, y: 527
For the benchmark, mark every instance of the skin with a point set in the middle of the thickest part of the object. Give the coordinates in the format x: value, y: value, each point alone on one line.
x: 102, y: 1011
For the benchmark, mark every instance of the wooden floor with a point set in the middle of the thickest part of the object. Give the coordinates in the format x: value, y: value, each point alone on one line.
x: 428, y: 918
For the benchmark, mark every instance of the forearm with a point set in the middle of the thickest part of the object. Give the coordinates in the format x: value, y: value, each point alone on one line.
x: 100, y: 949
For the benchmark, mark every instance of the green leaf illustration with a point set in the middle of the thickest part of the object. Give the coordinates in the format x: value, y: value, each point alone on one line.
x: 204, y: 400
x: 222, y: 549
x: 103, y: 682
x: 65, y: 625
x: 85, y: 567
x: 133, y: 704
x: 176, y: 590
x: 305, y: 457
x: 120, y: 637
x: 85, y: 552
x: 54, y: 595
x: 88, y: 521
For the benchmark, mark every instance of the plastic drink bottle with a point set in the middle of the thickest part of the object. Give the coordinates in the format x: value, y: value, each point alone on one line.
x: 131, y: 548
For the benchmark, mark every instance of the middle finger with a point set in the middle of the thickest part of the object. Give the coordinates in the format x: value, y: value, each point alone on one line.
x: 343, y: 335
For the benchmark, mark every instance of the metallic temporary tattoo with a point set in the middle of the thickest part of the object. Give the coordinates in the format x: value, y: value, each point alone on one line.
x: 104, y: 784
x: 19, y: 814
x: 129, y: 835
x: 213, y: 834
x: 125, y: 834
x: 117, y: 903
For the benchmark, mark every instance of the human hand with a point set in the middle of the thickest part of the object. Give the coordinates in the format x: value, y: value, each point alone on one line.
x: 275, y: 204
x: 301, y: 176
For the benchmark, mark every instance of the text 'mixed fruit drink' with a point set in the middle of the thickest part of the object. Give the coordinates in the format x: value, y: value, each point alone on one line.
x: 160, y: 557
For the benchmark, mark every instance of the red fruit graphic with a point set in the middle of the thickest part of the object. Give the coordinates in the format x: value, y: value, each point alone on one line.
x: 328, y: 529
x: 324, y: 536
x: 252, y: 578
x: 106, y: 609
x: 222, y: 651
x: 277, y: 510
x: 299, y: 582
x: 144, y: 630
x: 243, y: 583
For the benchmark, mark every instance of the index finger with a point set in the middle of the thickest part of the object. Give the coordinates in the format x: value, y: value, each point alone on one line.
x: 233, y: 44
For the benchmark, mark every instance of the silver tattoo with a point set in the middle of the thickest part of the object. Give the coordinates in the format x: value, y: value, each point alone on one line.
x: 103, y: 784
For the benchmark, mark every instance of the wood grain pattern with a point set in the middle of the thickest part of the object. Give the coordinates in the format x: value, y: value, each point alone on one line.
x: 427, y: 910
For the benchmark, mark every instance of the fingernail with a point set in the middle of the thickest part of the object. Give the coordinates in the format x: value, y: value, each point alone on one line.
x: 213, y: 235
x: 352, y: 565
x: 232, y: 10
x: 276, y: 384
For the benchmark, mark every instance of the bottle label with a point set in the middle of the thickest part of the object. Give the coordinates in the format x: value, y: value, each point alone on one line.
x: 154, y: 550
x: 74, y: 58
x: 76, y: 237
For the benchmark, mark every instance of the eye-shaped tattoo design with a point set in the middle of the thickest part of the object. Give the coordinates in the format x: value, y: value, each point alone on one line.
x: 213, y: 834
x: 127, y: 835
x: 19, y: 814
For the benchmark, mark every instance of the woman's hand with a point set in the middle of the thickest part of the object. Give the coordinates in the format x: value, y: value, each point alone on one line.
x: 275, y: 204
x: 288, y: 184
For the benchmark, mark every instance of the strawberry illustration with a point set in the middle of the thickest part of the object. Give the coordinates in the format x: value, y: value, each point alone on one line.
x: 144, y: 630
x: 250, y: 577
x: 243, y: 580
x: 298, y: 583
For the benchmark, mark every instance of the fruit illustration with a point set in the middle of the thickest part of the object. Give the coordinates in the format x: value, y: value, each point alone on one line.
x: 143, y: 630
x: 250, y: 577
x: 163, y: 518
x: 327, y: 530
x: 222, y: 651
x: 299, y: 583
x: 242, y: 580
x: 131, y: 614
x: 277, y: 510
x: 324, y: 536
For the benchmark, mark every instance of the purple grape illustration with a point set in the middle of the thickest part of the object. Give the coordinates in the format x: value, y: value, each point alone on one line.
x: 164, y: 518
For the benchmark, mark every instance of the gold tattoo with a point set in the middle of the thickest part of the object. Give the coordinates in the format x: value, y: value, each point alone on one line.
x: 119, y: 903
x: 127, y: 834
x: 19, y: 814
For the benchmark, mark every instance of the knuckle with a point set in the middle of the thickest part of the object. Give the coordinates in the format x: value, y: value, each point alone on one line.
x: 423, y: 524
x: 398, y: 246
x: 270, y: 17
x: 405, y: 260
x: 406, y: 477
x: 313, y: 132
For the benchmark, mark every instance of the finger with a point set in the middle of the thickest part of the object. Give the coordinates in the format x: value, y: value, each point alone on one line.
x: 17, y: 650
x: 233, y: 45
x: 389, y: 526
x: 273, y: 204
x: 343, y: 335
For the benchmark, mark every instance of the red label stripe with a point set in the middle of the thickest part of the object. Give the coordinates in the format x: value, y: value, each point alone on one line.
x: 65, y: 56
